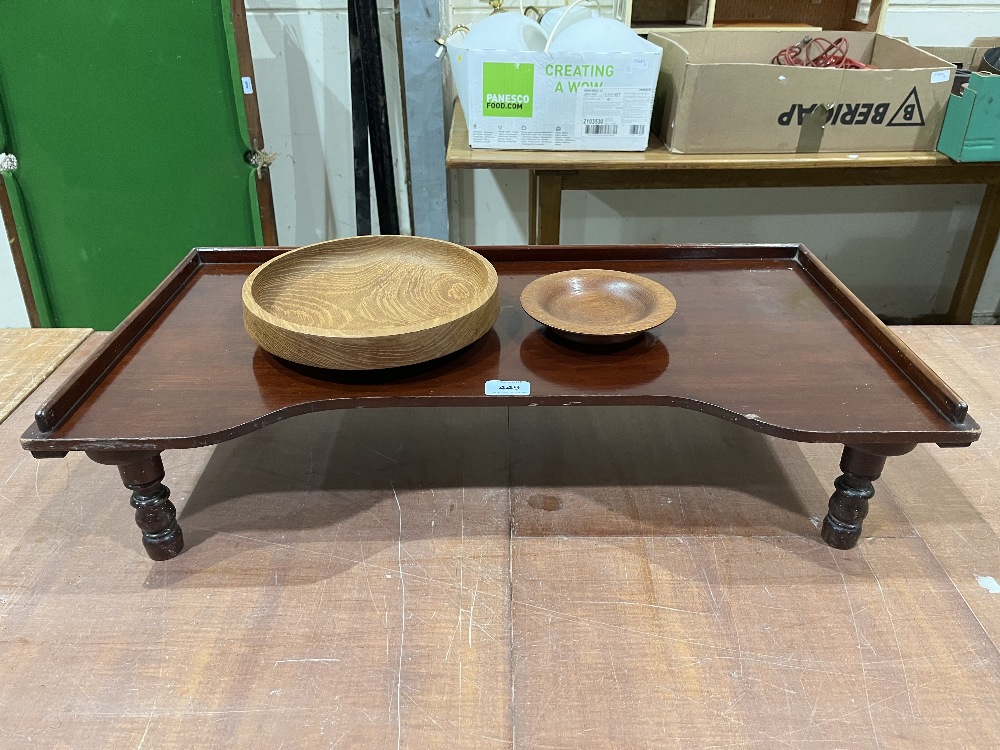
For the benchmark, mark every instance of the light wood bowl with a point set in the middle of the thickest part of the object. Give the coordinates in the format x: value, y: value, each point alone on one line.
x: 368, y: 303
x: 594, y: 306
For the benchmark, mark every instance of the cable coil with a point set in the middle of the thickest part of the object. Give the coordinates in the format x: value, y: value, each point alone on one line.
x: 817, y: 52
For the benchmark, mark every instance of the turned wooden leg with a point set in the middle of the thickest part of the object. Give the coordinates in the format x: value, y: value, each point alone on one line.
x: 849, y: 503
x: 155, y: 515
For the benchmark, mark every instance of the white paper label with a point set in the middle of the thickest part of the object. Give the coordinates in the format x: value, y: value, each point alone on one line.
x: 613, y: 112
x: 508, y: 388
x: 247, y: 85
x: 940, y: 76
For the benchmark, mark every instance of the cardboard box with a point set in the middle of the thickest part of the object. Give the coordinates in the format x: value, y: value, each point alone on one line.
x: 555, y: 102
x: 971, y: 57
x: 971, y: 130
x: 718, y: 93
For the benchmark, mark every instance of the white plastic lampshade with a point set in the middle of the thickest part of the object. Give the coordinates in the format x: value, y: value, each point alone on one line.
x: 506, y: 31
x: 459, y: 70
x: 596, y: 35
x: 579, y: 13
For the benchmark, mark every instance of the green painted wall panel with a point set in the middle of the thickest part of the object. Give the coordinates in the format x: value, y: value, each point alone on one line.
x: 124, y: 119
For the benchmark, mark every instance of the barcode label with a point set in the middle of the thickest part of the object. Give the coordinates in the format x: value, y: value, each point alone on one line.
x: 600, y: 129
x: 636, y: 129
x: 508, y: 388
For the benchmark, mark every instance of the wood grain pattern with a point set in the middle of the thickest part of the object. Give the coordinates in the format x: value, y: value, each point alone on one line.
x: 982, y: 244
x: 876, y: 17
x: 635, y: 471
x: 313, y: 610
x: 670, y: 15
x: 593, y: 305
x: 722, y: 176
x: 352, y: 590
x: 951, y: 496
x: 367, y: 303
x: 638, y: 625
x: 548, y: 215
x: 679, y: 643
x: 652, y: 12
x: 462, y: 156
x: 825, y: 15
x: 917, y: 372
x: 748, y: 309
x: 28, y: 356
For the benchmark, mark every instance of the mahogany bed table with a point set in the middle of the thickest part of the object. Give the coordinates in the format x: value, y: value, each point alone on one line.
x: 763, y: 336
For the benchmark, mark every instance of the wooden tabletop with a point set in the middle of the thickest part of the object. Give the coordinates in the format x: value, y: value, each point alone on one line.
x: 461, y: 156
x: 28, y: 356
x: 762, y: 336
x: 349, y: 581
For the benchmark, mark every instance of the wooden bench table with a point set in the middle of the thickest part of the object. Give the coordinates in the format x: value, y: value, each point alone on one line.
x: 552, y: 172
x: 764, y: 337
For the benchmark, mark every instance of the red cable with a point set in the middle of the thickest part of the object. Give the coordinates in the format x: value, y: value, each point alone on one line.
x: 819, y: 53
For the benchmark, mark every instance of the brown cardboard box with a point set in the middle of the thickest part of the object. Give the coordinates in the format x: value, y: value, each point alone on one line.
x: 971, y: 57
x: 718, y: 93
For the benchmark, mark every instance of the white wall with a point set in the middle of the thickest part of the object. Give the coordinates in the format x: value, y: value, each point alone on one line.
x: 12, y: 311
x: 953, y: 23
x: 943, y: 23
x: 302, y: 66
x: 900, y: 249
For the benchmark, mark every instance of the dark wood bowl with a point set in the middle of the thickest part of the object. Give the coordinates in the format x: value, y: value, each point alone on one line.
x: 368, y: 303
x: 594, y: 306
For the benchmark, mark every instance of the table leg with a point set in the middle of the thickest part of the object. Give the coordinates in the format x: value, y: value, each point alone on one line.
x: 861, y: 465
x: 155, y: 515
x: 549, y: 208
x: 977, y: 257
x: 532, y: 207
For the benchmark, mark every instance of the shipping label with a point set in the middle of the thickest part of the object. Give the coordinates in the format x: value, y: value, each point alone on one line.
x: 613, y: 112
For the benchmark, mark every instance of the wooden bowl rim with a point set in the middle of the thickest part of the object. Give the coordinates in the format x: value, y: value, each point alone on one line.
x: 666, y: 303
x: 482, y: 298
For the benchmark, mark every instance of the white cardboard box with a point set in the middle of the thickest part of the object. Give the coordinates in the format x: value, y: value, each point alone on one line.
x: 539, y: 101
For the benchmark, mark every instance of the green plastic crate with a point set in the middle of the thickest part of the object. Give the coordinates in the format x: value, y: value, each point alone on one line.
x: 971, y: 130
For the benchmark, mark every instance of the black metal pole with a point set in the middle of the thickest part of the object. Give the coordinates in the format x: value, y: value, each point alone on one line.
x: 359, y: 118
x: 366, y: 13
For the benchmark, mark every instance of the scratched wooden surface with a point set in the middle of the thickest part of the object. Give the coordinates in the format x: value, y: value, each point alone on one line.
x: 685, y: 642
x: 952, y: 497
x: 669, y: 590
x: 309, y: 610
x: 28, y: 356
x: 658, y: 591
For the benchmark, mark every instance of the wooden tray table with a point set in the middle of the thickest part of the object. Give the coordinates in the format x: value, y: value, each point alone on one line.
x: 763, y: 336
